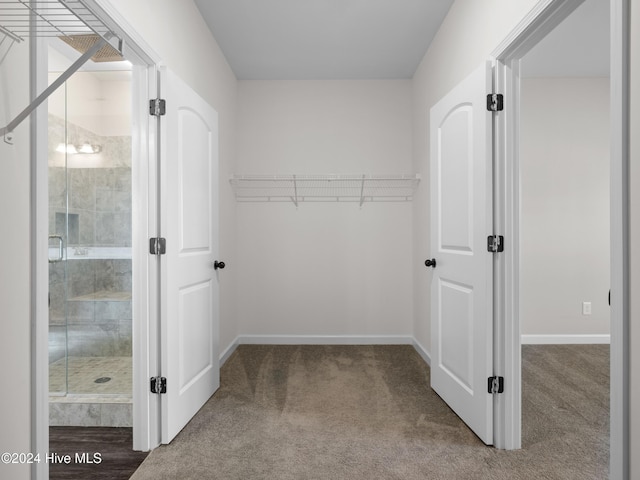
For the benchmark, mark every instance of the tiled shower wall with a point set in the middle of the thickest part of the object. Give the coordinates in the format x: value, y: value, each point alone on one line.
x: 98, y: 308
x: 99, y: 205
x: 98, y: 291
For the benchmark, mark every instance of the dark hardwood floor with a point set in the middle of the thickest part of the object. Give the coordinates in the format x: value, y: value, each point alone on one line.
x: 96, y: 453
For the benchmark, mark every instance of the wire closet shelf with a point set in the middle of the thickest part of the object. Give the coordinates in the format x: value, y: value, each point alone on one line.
x: 72, y: 21
x: 20, y: 19
x: 325, y: 188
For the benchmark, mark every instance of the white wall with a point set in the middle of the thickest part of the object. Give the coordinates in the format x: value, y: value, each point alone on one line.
x: 468, y: 35
x: 634, y: 242
x: 324, y: 268
x: 564, y: 218
x: 15, y: 412
x: 177, y: 32
x: 100, y: 103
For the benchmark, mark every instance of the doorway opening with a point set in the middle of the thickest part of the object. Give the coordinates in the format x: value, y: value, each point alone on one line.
x: 90, y: 239
x: 542, y: 20
x: 92, y: 160
x: 564, y: 280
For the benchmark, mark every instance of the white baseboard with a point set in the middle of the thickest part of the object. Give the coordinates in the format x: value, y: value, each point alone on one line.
x: 325, y: 340
x: 422, y: 351
x: 564, y: 339
x: 228, y: 351
x: 392, y: 340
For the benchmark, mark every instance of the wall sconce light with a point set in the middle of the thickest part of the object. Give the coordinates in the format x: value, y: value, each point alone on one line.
x: 76, y: 149
x: 88, y: 148
x: 66, y: 148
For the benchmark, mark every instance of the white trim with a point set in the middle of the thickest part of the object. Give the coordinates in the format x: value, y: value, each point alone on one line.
x: 144, y: 334
x: 541, y: 19
x: 224, y: 356
x: 133, y: 43
x: 325, y: 340
x: 39, y: 267
x: 422, y: 351
x: 620, y: 456
x: 534, y: 27
x: 565, y: 339
x: 144, y: 358
x: 146, y: 407
x: 507, y: 353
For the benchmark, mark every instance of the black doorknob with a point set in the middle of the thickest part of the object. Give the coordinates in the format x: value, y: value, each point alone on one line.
x: 430, y: 263
x: 218, y: 265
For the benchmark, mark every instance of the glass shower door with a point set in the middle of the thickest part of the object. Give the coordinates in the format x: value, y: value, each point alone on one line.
x: 58, y: 242
x: 90, y: 237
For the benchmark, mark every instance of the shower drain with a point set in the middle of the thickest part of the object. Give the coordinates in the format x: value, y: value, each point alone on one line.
x: 102, y: 380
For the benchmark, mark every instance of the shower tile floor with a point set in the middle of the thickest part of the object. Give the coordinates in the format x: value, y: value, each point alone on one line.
x: 83, y: 373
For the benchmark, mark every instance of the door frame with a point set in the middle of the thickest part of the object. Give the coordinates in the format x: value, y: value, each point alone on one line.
x: 146, y: 331
x: 546, y: 15
x: 145, y: 224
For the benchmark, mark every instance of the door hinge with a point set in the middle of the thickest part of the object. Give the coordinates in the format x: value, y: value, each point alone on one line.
x: 495, y: 243
x: 157, y: 107
x: 157, y: 246
x: 158, y: 385
x: 495, y: 102
x: 495, y: 385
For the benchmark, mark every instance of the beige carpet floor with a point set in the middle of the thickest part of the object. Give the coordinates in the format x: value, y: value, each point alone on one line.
x: 367, y: 412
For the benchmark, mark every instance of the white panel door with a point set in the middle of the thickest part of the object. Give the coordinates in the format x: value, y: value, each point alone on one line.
x: 461, y: 221
x: 190, y: 288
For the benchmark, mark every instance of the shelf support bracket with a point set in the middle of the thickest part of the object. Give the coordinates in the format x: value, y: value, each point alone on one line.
x: 53, y: 87
x: 295, y: 191
x: 362, y: 192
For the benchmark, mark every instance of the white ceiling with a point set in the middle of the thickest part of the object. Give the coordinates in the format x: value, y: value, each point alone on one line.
x: 338, y: 39
x: 578, y: 47
x: 323, y: 39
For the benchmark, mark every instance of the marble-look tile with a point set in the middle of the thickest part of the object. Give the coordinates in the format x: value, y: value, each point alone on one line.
x: 116, y: 415
x: 105, y: 279
x: 123, y: 283
x: 122, y: 236
x: 122, y: 179
x: 105, y: 228
x: 57, y: 302
x: 105, y: 178
x: 75, y: 414
x: 105, y: 200
x: 82, y: 188
x: 91, y: 340
x: 122, y: 199
x: 57, y: 349
x: 90, y: 414
x: 81, y: 313
x: 87, y: 227
x: 117, y: 307
x: 118, y: 150
x: 83, y: 371
x: 57, y: 187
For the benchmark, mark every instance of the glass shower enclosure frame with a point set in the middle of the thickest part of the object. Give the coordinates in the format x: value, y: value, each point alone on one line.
x: 90, y: 238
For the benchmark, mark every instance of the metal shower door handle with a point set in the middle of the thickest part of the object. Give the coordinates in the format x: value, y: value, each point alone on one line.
x: 60, y: 249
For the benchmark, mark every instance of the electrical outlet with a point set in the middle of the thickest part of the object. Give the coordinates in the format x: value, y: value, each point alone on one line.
x: 586, y: 308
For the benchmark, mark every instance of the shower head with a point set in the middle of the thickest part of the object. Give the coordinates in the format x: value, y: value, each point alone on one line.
x: 82, y: 43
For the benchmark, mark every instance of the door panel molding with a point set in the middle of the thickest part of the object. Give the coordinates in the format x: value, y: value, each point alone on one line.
x: 189, y: 303
x: 461, y: 290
